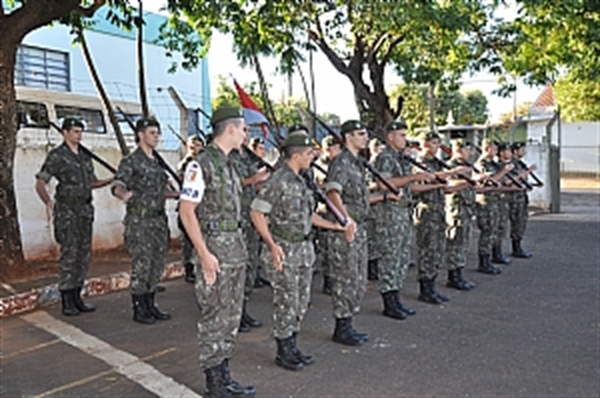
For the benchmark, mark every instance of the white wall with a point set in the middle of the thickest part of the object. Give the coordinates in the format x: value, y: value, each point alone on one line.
x: 580, y: 147
x: 537, y: 153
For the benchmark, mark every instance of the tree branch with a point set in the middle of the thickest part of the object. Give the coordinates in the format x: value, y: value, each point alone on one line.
x: 91, y: 10
x: 377, y: 45
x: 390, y: 49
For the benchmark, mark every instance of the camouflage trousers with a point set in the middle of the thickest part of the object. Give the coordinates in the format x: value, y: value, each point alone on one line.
x: 487, y: 222
x: 147, y: 240
x: 430, y: 225
x: 458, y: 240
x: 73, y: 232
x: 220, y: 313
x: 518, y: 215
x: 291, y: 286
x: 348, y: 271
x: 322, y: 251
x: 372, y: 242
x: 394, y: 246
x: 503, y: 218
x: 187, y: 248
x: 252, y: 238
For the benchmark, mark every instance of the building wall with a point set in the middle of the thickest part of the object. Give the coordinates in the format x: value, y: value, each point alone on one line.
x: 580, y: 147
x: 538, y: 153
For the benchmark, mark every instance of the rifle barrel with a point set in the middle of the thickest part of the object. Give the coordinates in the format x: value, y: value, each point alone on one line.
x: 328, y: 203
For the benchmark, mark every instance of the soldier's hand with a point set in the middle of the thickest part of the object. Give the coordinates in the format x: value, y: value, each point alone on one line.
x: 393, y: 197
x: 425, y: 176
x: 127, y: 196
x: 509, y: 166
x: 262, y: 175
x: 210, y: 268
x: 533, y: 167
x: 349, y: 230
x: 50, y: 210
x: 278, y: 256
x: 461, y: 170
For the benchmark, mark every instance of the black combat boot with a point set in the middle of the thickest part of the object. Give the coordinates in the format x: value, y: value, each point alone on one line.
x: 233, y: 386
x: 498, y: 257
x: 372, y: 270
x: 156, y: 313
x: 141, y: 312
x: 426, y: 292
x: 517, y: 250
x: 69, y: 308
x: 444, y: 299
x: 407, y: 310
x: 285, y: 355
x: 486, y: 267
x: 160, y: 288
x: 344, y: 333
x: 456, y: 280
x: 305, y: 359
x: 81, y: 306
x: 327, y: 285
x: 248, y: 320
x: 189, y: 273
x: 390, y: 305
x: 215, y: 385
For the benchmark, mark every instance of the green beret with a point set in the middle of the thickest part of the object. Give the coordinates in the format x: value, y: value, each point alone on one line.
x: 461, y: 143
x: 503, y: 146
x: 70, y: 122
x: 224, y: 113
x: 298, y: 140
x: 396, y: 125
x: 351, y: 125
x: 329, y: 141
x: 517, y: 145
x: 296, y: 128
x: 432, y: 135
x: 144, y: 122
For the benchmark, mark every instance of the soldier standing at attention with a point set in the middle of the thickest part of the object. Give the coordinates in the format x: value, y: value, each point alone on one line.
x: 194, y: 146
x: 251, y: 177
x: 141, y: 183
x: 376, y: 146
x: 430, y: 222
x: 488, y: 206
x: 210, y: 210
x: 348, y: 190
x: 71, y: 211
x: 460, y: 213
x: 519, y: 203
x: 393, y: 220
x: 288, y: 203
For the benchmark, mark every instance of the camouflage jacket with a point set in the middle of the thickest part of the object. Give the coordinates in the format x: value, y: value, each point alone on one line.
x: 289, y: 203
x: 486, y: 165
x: 460, y: 202
x: 391, y: 165
x: 144, y: 177
x: 434, y: 196
x: 348, y: 176
x: 246, y: 168
x: 74, y: 172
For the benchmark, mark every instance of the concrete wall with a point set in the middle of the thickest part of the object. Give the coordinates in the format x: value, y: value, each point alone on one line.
x: 580, y: 147
x: 36, y: 230
x: 537, y: 153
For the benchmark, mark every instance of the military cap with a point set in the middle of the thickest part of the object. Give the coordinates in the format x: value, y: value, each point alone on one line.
x: 375, y: 142
x: 461, y: 143
x: 296, y: 128
x: 517, y: 145
x: 351, y: 125
x: 432, y: 135
x: 224, y: 113
x: 298, y: 140
x: 70, y: 122
x: 503, y: 146
x: 396, y: 125
x: 193, y: 138
x: 145, y: 122
x: 329, y: 141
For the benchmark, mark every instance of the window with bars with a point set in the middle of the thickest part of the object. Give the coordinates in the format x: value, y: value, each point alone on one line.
x: 92, y: 118
x: 42, y: 68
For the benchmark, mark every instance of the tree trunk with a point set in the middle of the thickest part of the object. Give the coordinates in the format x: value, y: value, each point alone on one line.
x: 11, y: 249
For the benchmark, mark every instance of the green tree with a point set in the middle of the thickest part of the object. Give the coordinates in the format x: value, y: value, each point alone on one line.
x: 579, y: 100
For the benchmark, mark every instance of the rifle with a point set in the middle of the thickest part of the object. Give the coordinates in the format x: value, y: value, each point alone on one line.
x: 444, y: 165
x: 538, y: 182
x: 365, y: 162
x: 177, y: 135
x: 323, y: 197
x: 87, y: 151
x: 155, y: 153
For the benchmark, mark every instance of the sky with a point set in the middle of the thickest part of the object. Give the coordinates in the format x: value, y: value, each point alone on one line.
x: 333, y: 90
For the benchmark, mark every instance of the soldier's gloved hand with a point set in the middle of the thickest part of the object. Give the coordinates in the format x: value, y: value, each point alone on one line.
x: 210, y: 268
x: 278, y: 256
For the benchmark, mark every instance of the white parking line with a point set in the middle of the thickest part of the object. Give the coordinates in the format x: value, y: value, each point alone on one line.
x: 123, y: 362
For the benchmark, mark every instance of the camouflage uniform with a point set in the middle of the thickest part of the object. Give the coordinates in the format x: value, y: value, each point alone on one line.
x: 322, y: 235
x: 460, y: 213
x: 289, y: 203
x: 488, y: 208
x: 146, y: 226
x: 219, y: 216
x: 518, y: 208
x: 73, y: 212
x: 430, y: 225
x: 393, y: 225
x: 348, y: 261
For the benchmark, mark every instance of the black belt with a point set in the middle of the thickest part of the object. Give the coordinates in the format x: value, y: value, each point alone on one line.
x: 73, y: 200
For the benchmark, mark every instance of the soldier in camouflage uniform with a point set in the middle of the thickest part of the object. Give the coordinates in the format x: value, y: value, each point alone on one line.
x: 72, y: 212
x: 210, y: 210
x: 347, y: 188
x: 519, y: 203
x: 141, y: 183
x: 376, y: 146
x: 487, y: 207
x: 460, y: 214
x: 430, y: 223
x: 251, y: 177
x: 194, y: 146
x: 288, y: 203
x: 393, y: 220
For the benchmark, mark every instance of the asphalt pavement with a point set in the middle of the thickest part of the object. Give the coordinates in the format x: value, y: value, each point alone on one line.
x: 532, y: 331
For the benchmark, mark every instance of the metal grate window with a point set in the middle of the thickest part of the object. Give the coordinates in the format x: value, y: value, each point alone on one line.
x: 42, y: 68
